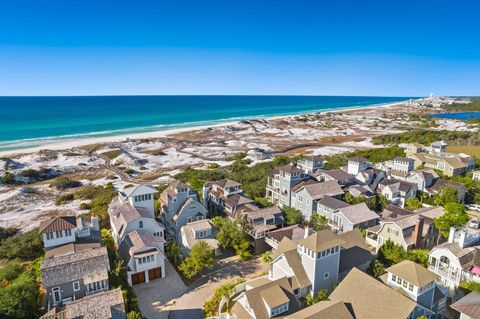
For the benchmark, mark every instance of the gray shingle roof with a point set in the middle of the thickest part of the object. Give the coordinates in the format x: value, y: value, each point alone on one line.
x: 332, y: 202
x: 319, y: 190
x: 90, y: 265
x: 102, y: 305
x: 358, y: 213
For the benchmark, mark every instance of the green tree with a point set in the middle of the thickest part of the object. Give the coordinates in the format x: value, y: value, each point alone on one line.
x: 322, y: 295
x: 173, y: 252
x: 413, y: 203
x: 201, y: 257
x: 26, y: 246
x: 267, y: 257
x: 19, y: 298
x: 134, y: 315
x: 446, y: 195
x: 390, y: 254
x: 376, y: 269
x: 292, y: 216
x: 318, y: 222
x: 454, y: 216
x: 471, y: 286
x: 231, y: 235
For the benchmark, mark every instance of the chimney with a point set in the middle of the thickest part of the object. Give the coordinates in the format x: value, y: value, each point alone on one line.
x: 417, y: 234
x: 306, y: 232
x: 451, y: 235
x: 461, y: 241
x: 95, y: 223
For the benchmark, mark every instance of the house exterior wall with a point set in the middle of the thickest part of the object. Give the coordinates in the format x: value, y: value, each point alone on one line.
x: 135, y: 267
x: 302, y: 201
x: 62, y: 237
x: 189, y: 214
x: 316, y: 268
x: 149, y: 225
x: 391, y: 231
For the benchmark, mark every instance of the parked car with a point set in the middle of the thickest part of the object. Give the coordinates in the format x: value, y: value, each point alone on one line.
x: 474, y: 207
x: 474, y: 223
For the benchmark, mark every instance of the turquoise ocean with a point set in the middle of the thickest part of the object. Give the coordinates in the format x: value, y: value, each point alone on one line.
x: 34, y: 121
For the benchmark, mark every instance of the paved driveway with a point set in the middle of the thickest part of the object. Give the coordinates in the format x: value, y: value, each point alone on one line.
x: 190, y: 304
x: 156, y: 297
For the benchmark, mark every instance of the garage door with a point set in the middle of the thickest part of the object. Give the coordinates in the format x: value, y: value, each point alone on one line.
x: 154, y: 273
x: 138, y: 278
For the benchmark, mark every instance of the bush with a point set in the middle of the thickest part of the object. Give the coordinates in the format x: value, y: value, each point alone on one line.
x: 112, y: 154
x: 8, y: 178
x: 226, y: 290
x: 7, y: 232
x: 292, y: 216
x: 229, y: 235
x: 85, y: 206
x: 63, y: 183
x: 26, y: 246
x: 9, y: 272
x: 100, y: 198
x: 201, y: 257
x: 19, y: 298
x: 63, y: 199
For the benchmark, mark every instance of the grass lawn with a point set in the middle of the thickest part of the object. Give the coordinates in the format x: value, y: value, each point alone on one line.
x: 470, y: 150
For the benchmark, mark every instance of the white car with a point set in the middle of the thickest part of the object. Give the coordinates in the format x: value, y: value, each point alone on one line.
x: 474, y: 207
x: 474, y: 223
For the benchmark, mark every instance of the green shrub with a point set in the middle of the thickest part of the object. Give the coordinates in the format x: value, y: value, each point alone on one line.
x: 26, y: 246
x: 10, y: 271
x: 85, y: 206
x: 112, y: 154
x: 63, y: 183
x: 19, y: 298
x: 8, y: 178
x: 64, y: 198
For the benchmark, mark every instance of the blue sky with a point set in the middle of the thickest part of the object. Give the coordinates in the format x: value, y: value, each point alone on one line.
x: 396, y: 48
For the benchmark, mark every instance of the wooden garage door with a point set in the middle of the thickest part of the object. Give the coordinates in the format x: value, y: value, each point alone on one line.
x: 154, y: 273
x: 138, y: 278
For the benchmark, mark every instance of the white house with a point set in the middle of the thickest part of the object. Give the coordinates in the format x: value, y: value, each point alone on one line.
x: 456, y: 260
x: 138, y: 236
x: 143, y: 253
x: 357, y: 164
x: 140, y: 196
x: 476, y: 175
x: 63, y: 230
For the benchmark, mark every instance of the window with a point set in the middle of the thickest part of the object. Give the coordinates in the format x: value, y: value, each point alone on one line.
x: 140, y: 223
x: 394, y: 278
x: 69, y: 232
x: 76, y: 286
x: 404, y: 284
x: 57, y: 297
x: 399, y: 280
x: 410, y: 287
x: 326, y: 275
x: 200, y: 218
x: 61, y: 233
x: 189, y: 219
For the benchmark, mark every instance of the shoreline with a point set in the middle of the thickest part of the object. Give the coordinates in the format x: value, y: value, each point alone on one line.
x: 84, y: 141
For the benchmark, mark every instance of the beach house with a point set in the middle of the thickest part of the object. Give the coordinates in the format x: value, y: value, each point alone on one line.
x: 405, y: 229
x: 179, y: 205
x: 457, y: 260
x: 396, y: 191
x: 71, y: 272
x: 224, y: 198
x: 306, y: 195
x: 138, y: 236
x: 281, y: 181
x: 193, y: 232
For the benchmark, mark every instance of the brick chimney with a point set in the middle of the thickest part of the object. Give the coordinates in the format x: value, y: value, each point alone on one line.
x: 417, y: 233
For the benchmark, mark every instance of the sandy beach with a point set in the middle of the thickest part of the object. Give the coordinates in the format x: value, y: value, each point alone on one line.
x: 74, y: 143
